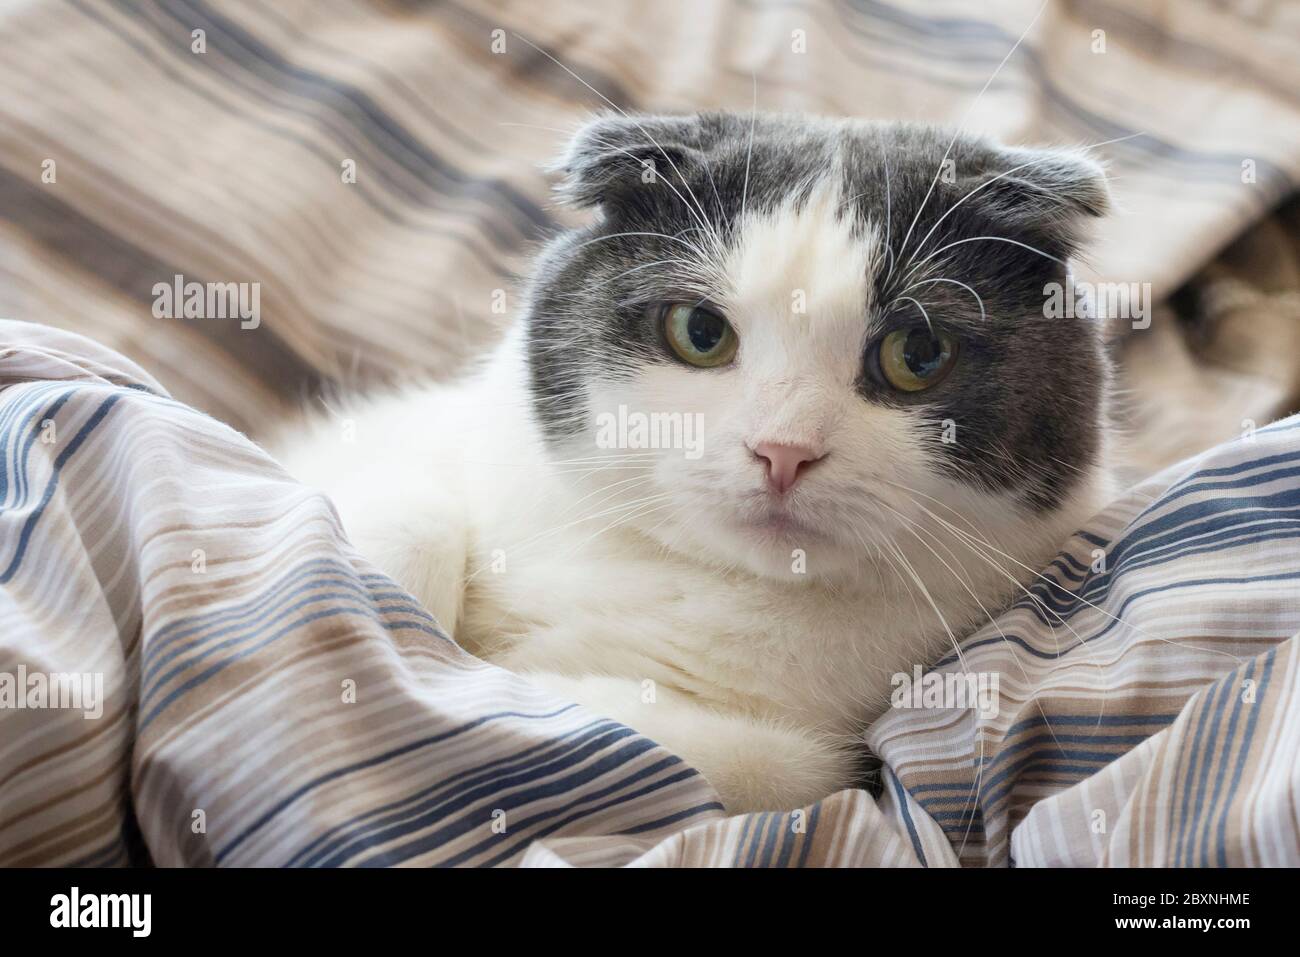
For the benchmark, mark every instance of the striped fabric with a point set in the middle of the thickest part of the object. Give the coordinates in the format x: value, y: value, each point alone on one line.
x: 269, y: 699
x: 211, y: 138
x: 1149, y: 708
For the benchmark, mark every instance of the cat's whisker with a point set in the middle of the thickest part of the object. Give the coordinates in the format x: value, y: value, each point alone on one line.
x: 628, y: 153
x: 962, y: 125
x: 664, y: 546
x: 603, y: 455
x: 630, y: 460
x: 645, y: 508
x: 749, y: 150
x: 889, y: 563
x: 1052, y: 583
x: 989, y: 182
x: 976, y: 239
x: 889, y: 217
x: 934, y: 606
x: 698, y: 211
x: 914, y: 526
x: 672, y: 239
x: 1047, y: 611
x: 926, y: 282
x: 614, y: 466
x: 553, y: 530
x: 978, y: 553
x: 513, y: 606
x: 706, y: 226
x: 635, y: 269
x: 928, y: 323
x: 623, y: 485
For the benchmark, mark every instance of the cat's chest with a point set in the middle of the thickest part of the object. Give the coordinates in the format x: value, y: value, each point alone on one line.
x: 737, y: 642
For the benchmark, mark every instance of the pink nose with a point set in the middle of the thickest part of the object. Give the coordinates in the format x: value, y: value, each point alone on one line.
x: 785, y: 463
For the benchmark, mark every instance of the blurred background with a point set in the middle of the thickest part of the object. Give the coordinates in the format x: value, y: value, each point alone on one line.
x: 374, y: 167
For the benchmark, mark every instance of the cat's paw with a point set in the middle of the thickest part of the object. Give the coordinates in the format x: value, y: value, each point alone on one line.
x: 755, y: 764
x: 424, y: 552
x: 768, y: 767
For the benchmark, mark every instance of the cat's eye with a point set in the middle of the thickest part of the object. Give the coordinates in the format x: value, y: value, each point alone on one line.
x: 917, y: 358
x: 698, y: 335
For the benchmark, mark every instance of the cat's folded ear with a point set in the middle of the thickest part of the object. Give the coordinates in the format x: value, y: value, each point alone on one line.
x: 1050, y: 192
x: 612, y: 156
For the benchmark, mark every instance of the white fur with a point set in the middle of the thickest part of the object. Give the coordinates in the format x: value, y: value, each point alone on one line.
x: 685, y: 616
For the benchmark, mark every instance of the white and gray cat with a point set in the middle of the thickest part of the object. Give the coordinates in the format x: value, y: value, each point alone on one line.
x: 782, y: 420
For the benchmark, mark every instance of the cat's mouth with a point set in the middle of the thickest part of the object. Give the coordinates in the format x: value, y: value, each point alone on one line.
x: 776, y: 522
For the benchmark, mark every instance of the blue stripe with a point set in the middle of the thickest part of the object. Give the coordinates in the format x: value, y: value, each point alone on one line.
x: 992, y: 795
x: 534, y: 828
x: 398, y: 602
x: 813, y: 816
x: 1250, y: 537
x: 191, y: 624
x: 1166, y: 536
x: 1248, y: 739
x: 1190, y: 771
x: 1117, y: 618
x: 788, y: 842
x: 21, y: 453
x: 550, y: 747
x: 763, y: 821
x: 368, y: 763
x: 677, y: 816
x: 744, y: 836
x: 778, y: 828
x: 901, y: 797
x: 1230, y: 685
x: 546, y: 753
x: 1218, y: 699
x: 343, y: 611
x: 646, y: 791
x: 71, y: 449
x: 1208, y: 515
x: 465, y: 811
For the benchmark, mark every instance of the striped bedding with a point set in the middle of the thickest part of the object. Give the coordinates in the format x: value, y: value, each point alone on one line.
x: 270, y: 699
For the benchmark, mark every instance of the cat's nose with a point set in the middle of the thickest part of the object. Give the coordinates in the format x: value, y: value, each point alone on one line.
x: 785, y: 463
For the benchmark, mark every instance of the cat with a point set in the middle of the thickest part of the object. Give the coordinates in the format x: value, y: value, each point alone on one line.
x: 783, y: 419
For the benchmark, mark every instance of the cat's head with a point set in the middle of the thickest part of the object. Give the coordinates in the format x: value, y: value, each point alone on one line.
x: 784, y: 343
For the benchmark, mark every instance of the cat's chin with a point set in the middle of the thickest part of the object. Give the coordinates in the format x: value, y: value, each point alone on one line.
x: 773, y: 546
